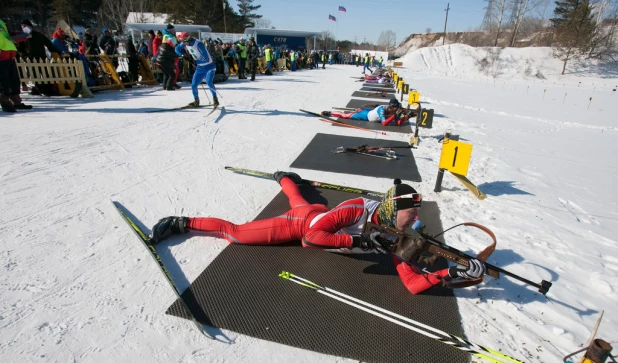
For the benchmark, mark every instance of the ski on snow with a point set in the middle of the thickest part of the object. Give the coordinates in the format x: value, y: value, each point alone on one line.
x: 213, y: 110
x: 187, y: 107
x: 155, y: 256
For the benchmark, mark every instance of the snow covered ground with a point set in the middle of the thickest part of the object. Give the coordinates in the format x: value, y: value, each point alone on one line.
x: 78, y: 286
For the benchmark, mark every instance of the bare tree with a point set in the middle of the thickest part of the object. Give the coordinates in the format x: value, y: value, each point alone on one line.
x: 387, y: 39
x: 264, y: 23
x: 501, y: 6
x: 115, y: 12
x: 518, y: 17
x: 604, y: 45
x: 428, y: 30
x: 325, y: 40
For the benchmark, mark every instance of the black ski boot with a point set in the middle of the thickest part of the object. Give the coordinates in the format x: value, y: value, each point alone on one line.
x: 195, y: 103
x: 325, y: 113
x: 215, y: 101
x: 22, y: 106
x: 7, y: 107
x: 168, y: 226
x: 282, y: 174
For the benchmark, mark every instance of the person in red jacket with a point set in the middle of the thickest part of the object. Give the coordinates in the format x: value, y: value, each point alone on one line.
x: 156, y: 43
x: 317, y: 226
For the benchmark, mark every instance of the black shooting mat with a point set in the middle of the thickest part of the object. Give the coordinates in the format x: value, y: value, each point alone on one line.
x: 405, y: 128
x: 356, y: 103
x: 373, y: 94
x: 378, y: 85
x: 318, y: 155
x: 241, y: 291
x: 372, y: 89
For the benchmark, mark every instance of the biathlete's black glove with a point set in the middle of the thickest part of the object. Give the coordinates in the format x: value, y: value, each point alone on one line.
x: 475, y: 270
x: 369, y: 241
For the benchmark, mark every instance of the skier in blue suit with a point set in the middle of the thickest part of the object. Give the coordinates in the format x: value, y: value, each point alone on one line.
x: 205, y: 66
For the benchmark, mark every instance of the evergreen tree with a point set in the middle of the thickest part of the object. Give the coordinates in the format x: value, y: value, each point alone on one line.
x: 247, y: 17
x: 574, y: 29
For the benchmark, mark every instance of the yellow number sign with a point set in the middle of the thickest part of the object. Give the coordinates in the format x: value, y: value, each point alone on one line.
x: 400, y: 83
x: 413, y: 97
x: 395, y: 77
x: 455, y: 156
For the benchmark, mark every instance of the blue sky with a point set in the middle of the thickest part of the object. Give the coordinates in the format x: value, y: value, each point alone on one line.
x: 366, y: 18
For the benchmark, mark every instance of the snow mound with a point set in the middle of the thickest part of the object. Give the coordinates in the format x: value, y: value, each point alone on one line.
x: 464, y: 61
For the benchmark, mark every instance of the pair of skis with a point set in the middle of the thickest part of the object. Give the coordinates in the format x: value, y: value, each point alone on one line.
x: 477, y: 350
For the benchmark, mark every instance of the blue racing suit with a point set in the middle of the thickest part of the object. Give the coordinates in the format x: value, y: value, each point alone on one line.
x: 206, y: 67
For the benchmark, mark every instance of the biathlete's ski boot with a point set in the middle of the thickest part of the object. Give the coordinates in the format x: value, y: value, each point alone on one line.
x: 168, y: 226
x: 195, y: 103
x: 215, y: 101
x: 22, y: 106
x: 7, y: 107
x: 325, y: 113
x: 282, y: 174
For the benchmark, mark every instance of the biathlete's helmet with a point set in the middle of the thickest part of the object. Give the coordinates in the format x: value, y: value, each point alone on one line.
x: 399, y: 197
x: 394, y: 103
x: 184, y: 36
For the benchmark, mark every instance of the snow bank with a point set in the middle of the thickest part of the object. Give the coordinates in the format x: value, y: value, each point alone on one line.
x: 512, y: 64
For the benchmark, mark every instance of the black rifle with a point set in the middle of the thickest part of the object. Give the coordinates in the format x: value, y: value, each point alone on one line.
x: 427, y: 249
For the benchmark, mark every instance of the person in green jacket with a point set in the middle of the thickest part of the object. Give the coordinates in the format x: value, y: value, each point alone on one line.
x: 241, y: 54
x: 10, y: 100
x: 268, y: 55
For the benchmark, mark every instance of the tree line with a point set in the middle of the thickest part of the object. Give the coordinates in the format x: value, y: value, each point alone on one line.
x: 575, y: 28
x: 112, y: 14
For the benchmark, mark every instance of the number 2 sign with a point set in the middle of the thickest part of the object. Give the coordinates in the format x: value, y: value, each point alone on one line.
x: 425, y: 119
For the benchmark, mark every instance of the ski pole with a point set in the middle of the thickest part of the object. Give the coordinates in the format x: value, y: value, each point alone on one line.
x: 204, y: 89
x: 430, y: 332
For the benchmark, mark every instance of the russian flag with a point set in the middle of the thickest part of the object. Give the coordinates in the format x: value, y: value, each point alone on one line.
x: 330, y: 17
x: 341, y: 8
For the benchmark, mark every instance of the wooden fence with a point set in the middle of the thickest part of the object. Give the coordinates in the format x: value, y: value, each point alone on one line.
x: 67, y: 73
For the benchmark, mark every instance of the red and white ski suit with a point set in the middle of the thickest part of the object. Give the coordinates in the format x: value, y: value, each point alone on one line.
x: 316, y: 226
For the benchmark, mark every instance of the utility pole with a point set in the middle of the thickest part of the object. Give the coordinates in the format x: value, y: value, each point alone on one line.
x: 445, y: 21
x: 224, y: 23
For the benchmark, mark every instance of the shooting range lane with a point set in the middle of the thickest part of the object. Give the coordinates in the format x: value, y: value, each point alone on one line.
x: 241, y: 291
x: 379, y: 94
x: 376, y: 89
x: 356, y: 103
x: 404, y: 129
x: 318, y: 155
